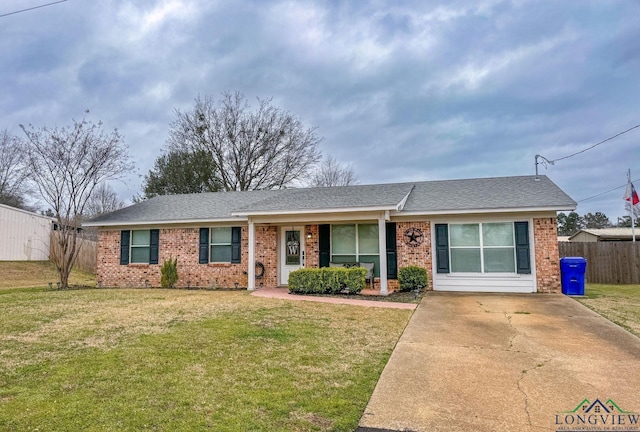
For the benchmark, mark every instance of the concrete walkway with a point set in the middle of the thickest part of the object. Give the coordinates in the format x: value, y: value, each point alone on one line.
x: 496, y: 362
x: 283, y: 293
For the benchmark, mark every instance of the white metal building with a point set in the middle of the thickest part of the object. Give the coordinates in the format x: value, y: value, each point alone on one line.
x: 24, y: 236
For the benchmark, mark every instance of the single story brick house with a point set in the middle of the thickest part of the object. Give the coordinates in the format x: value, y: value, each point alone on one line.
x: 486, y: 234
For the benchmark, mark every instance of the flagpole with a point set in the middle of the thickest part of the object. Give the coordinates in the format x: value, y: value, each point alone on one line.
x: 631, y: 212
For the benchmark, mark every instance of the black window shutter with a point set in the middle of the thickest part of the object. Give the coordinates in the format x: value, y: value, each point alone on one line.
x: 442, y: 248
x: 124, y: 247
x: 203, y: 248
x: 324, y: 244
x: 392, y: 257
x: 523, y: 259
x: 236, y: 239
x: 154, y: 241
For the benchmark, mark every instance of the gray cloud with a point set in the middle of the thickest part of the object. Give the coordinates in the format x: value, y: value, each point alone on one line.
x: 405, y: 90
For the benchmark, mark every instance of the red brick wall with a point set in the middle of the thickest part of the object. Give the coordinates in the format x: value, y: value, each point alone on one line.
x: 311, y: 246
x: 183, y: 243
x: 545, y: 234
x: 414, y: 256
x: 267, y: 253
x: 174, y: 242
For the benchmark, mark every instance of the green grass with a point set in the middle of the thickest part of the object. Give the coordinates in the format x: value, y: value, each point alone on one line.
x: 29, y: 274
x: 145, y: 359
x: 618, y: 303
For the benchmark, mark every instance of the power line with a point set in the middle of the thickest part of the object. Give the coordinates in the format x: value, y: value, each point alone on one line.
x: 32, y: 8
x: 604, y: 193
x: 597, y: 144
x: 553, y: 161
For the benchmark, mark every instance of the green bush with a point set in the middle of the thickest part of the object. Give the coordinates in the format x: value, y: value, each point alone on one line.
x: 327, y: 280
x: 169, y: 271
x: 304, y: 281
x: 355, y: 279
x: 412, y: 278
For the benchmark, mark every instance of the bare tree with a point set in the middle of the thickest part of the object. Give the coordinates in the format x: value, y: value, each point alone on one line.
x: 103, y: 200
x: 333, y: 173
x: 13, y: 171
x: 66, y: 165
x: 263, y: 149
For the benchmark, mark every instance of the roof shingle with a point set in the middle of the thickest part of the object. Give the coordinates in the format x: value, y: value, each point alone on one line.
x: 472, y: 195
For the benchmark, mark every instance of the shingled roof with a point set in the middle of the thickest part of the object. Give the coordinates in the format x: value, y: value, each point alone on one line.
x: 431, y: 197
x: 483, y: 194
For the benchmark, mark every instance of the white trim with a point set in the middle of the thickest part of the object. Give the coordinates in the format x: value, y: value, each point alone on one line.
x: 485, y: 282
x: 283, y: 268
x: 382, y: 246
x: 317, y: 211
x: 164, y: 222
x: 323, y: 216
x: 532, y: 255
x: 342, y: 218
x: 251, y: 270
x: 481, y: 211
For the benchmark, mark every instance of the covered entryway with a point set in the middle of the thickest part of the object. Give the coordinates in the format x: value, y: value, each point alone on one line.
x: 291, y: 256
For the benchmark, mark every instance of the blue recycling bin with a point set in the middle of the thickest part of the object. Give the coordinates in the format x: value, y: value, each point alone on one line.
x: 572, y: 270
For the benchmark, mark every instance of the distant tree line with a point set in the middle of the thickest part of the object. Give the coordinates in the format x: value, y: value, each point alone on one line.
x: 571, y: 223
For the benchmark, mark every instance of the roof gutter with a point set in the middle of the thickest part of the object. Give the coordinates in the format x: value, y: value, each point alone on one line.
x: 317, y: 211
x: 480, y: 211
x: 162, y: 222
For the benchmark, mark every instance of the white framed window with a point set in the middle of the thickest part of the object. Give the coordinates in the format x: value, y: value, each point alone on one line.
x: 220, y: 245
x: 356, y: 243
x: 482, y: 247
x: 140, y: 249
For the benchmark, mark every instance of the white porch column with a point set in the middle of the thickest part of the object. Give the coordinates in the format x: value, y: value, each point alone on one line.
x: 251, y: 271
x: 382, y: 239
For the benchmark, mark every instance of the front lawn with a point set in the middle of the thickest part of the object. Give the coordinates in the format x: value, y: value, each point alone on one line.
x: 152, y: 359
x: 617, y: 303
x: 27, y: 274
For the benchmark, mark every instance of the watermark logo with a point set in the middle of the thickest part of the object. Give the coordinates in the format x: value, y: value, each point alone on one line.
x: 597, y: 416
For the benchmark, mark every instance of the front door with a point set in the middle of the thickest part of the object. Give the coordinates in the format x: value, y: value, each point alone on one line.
x: 291, y: 252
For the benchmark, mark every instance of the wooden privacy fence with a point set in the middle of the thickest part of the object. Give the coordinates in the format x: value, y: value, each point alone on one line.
x: 607, y: 262
x: 87, y: 257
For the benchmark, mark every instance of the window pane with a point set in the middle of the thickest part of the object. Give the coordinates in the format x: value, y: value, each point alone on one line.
x: 343, y: 239
x: 140, y: 254
x: 499, y: 260
x: 375, y: 259
x: 343, y: 258
x: 140, y: 237
x: 221, y: 254
x: 292, y: 248
x: 497, y: 234
x: 464, y: 234
x: 368, y: 241
x: 465, y: 260
x: 221, y: 235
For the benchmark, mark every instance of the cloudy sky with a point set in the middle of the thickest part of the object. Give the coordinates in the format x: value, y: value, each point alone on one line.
x: 403, y: 90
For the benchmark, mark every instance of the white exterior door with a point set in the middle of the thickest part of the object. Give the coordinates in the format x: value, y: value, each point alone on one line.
x: 291, y: 252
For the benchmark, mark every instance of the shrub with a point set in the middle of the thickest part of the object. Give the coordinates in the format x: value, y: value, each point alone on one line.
x: 327, y: 280
x: 355, y: 279
x: 169, y: 271
x: 304, y: 281
x: 412, y: 278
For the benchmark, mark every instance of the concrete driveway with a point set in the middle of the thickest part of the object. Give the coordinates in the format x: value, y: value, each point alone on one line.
x: 506, y: 362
